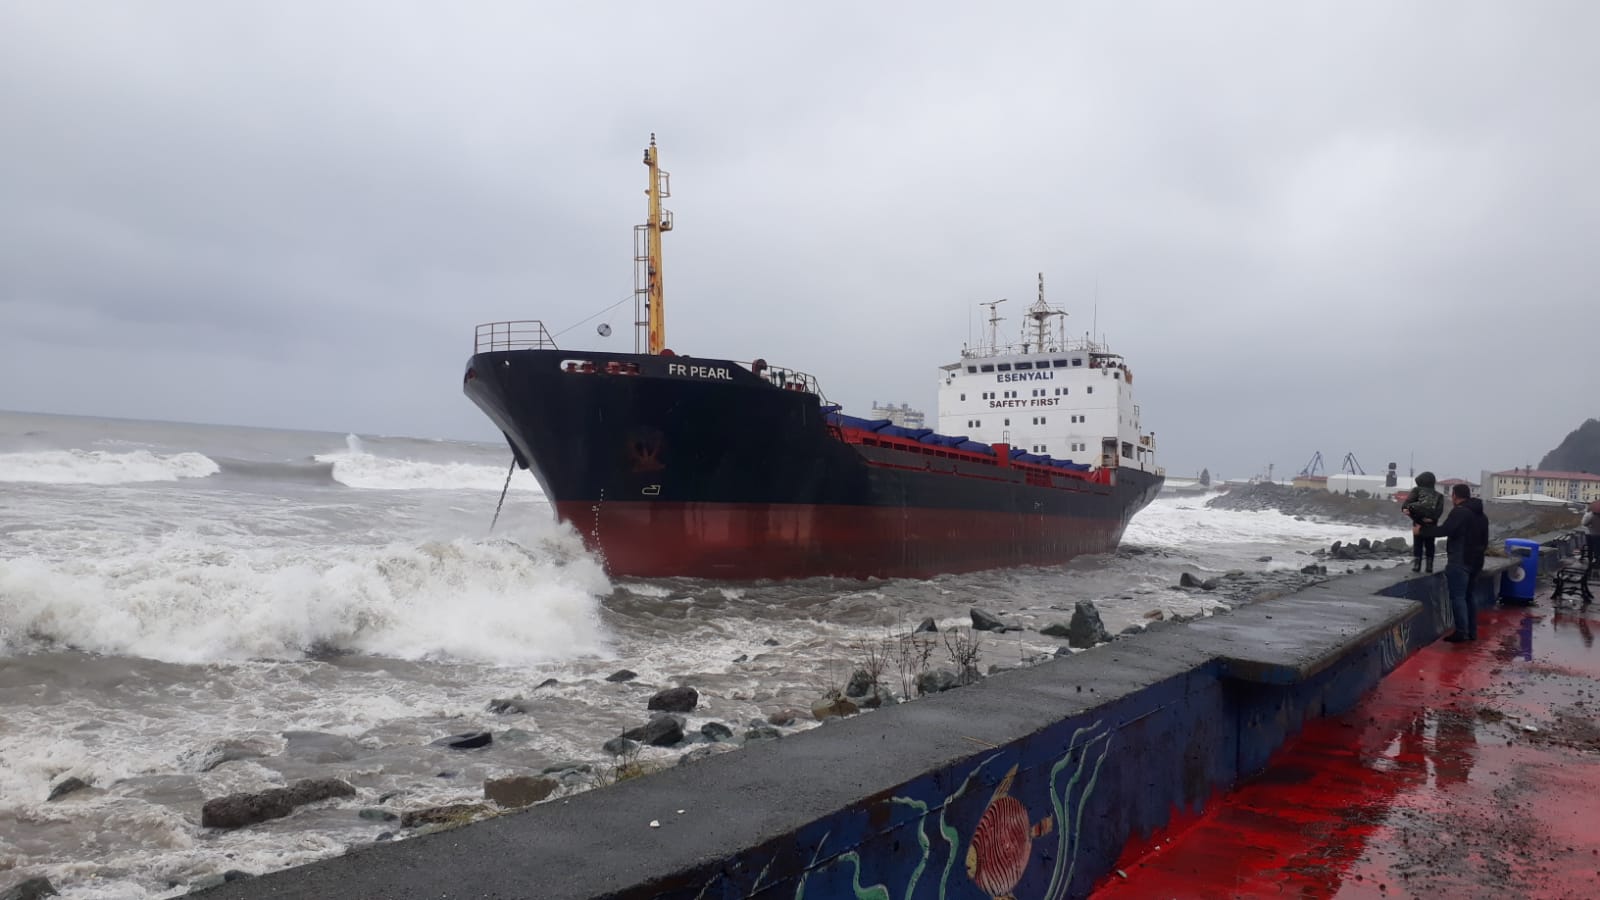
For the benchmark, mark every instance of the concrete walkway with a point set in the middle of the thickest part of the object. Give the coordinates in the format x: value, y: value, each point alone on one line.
x: 1473, y: 770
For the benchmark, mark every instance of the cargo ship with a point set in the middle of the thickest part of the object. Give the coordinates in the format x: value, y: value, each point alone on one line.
x: 675, y: 465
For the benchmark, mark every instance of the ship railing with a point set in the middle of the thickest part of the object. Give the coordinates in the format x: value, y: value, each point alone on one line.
x: 789, y: 379
x: 522, y: 334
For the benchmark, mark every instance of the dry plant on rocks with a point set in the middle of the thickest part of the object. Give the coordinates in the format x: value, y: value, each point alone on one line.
x: 962, y: 646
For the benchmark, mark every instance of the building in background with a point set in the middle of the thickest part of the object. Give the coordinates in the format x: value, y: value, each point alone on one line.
x: 902, y: 415
x: 1571, y: 487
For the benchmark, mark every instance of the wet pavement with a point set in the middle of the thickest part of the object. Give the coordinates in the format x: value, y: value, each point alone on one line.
x: 1473, y: 770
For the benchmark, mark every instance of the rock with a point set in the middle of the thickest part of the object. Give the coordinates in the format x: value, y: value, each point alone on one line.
x: 878, y: 696
x: 936, y: 681
x: 785, y: 716
x: 1135, y: 628
x: 620, y: 746
x: 1210, y: 584
x: 230, y: 750
x: 926, y: 626
x: 662, y: 730
x: 622, y: 675
x: 470, y: 740
x: 32, y: 889
x: 860, y: 684
x: 1233, y: 573
x: 743, y: 657
x: 211, y: 881
x: 1155, y: 614
x: 65, y: 787
x: 677, y: 699
x: 716, y: 731
x: 1056, y: 630
x: 1312, y: 569
x: 548, y: 682
x: 239, y: 810
x: 770, y: 642
x: 1086, y: 629
x: 1189, y: 580
x: 518, y: 791
x: 1062, y: 651
x: 982, y: 621
x: 835, y: 708
x: 1263, y: 559
x: 374, y: 814
x: 708, y: 750
x: 508, y: 706
x: 383, y: 836
x: 318, y: 747
x: 453, y: 814
x: 1397, y: 545
x: 562, y: 768
x: 761, y: 731
x: 1365, y: 544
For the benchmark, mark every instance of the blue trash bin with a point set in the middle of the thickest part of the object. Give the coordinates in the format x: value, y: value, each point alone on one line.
x: 1518, y: 582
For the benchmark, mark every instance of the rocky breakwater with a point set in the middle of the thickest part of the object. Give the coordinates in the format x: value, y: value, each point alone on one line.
x: 1311, y: 503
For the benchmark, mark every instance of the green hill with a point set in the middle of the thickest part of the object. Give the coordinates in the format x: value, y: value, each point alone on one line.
x: 1579, y: 452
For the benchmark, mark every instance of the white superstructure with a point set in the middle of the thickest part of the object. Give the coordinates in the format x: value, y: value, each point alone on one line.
x: 1048, y: 395
x: 902, y: 415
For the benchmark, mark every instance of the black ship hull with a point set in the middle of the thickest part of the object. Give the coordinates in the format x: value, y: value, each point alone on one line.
x: 678, y: 466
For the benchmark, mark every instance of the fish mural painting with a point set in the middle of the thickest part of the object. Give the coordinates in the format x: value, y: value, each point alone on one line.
x: 1003, y: 842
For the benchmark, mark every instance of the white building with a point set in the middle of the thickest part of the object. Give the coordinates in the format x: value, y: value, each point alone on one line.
x: 902, y: 415
x: 1067, y: 399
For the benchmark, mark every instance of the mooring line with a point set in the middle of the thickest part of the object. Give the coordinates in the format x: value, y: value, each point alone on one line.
x: 503, y: 490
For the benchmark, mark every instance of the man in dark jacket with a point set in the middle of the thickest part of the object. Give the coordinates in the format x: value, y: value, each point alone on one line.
x: 1468, y: 531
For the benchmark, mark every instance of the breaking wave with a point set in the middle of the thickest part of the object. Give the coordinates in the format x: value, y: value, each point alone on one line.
x: 355, y: 467
x: 188, y: 600
x: 102, y: 466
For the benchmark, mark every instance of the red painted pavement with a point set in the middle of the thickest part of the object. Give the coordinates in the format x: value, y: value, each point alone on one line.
x: 1473, y: 770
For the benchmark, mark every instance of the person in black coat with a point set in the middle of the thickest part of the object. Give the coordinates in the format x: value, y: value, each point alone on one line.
x: 1467, y: 529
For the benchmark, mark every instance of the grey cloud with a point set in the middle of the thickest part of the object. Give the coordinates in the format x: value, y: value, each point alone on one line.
x: 1313, y: 226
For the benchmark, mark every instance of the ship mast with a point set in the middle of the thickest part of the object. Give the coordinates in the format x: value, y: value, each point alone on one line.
x: 994, y: 325
x: 649, y: 310
x: 1041, y: 313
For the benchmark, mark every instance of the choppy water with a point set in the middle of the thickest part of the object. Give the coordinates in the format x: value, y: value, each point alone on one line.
x: 165, y: 588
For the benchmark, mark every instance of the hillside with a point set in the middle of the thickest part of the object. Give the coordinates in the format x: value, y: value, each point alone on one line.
x: 1579, y: 452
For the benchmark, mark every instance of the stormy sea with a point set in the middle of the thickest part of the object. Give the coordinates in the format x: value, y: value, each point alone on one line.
x: 192, y: 611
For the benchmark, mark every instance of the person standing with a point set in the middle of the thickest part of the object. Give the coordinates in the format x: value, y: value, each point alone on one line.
x: 1467, y: 530
x: 1591, y: 525
x: 1424, y: 505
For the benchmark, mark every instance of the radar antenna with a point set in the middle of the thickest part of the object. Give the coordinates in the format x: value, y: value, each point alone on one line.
x: 994, y: 324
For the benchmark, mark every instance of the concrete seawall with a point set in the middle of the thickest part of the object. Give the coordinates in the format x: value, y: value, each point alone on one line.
x: 1034, y: 782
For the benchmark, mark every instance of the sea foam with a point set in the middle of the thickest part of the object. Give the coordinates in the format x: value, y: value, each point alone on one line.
x: 102, y: 466
x: 357, y: 468
x: 188, y: 600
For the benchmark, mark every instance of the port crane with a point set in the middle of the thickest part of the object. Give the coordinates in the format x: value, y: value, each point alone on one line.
x: 1314, y: 466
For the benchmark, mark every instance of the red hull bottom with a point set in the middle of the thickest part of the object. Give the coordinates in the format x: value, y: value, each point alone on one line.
x: 752, y: 541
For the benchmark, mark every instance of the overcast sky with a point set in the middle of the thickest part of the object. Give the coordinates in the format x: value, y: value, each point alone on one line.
x: 1362, y: 227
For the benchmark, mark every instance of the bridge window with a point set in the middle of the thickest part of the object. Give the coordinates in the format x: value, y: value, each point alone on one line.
x: 972, y: 370
x: 1059, y: 363
x: 1024, y: 365
x: 1077, y: 360
x: 987, y: 368
x: 1005, y: 367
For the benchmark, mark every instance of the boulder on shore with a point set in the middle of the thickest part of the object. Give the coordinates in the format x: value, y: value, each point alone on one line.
x: 1056, y: 629
x: 662, y: 730
x: 926, y: 626
x: 32, y: 889
x: 66, y: 787
x: 676, y: 699
x: 861, y: 684
x: 1189, y: 580
x: 518, y: 791
x: 982, y: 621
x: 239, y: 810
x: 470, y: 740
x: 622, y: 675
x: 1086, y: 629
x: 716, y: 732
x: 937, y: 681
x: 509, y: 706
x: 837, y: 707
x: 453, y: 814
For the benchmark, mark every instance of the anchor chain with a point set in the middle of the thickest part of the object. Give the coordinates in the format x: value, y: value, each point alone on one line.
x: 503, y: 495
